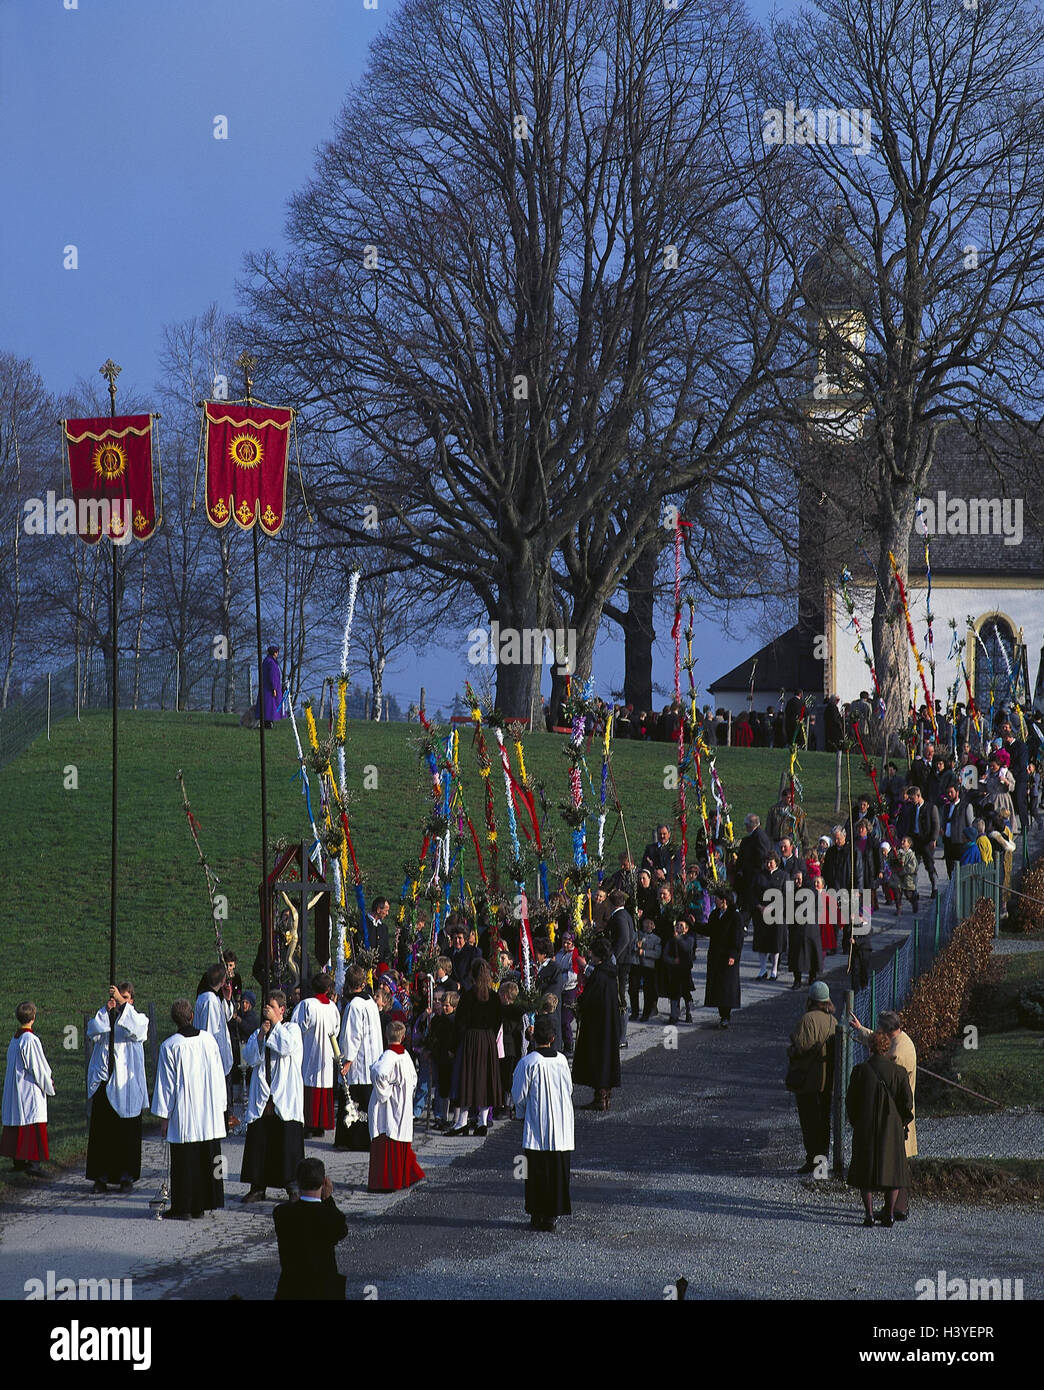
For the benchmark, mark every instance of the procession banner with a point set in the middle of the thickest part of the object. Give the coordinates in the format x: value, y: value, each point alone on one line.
x: 110, y: 467
x: 247, y: 451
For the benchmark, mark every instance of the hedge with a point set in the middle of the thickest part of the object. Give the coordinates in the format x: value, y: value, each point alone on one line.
x: 1026, y: 914
x: 933, y: 1015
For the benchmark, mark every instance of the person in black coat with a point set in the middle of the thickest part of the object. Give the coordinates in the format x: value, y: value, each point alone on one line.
x: 793, y: 714
x: 661, y: 857
x: 770, y: 927
x: 677, y: 958
x: 754, y: 849
x: 879, y: 1105
x: 724, y: 948
x: 464, y: 957
x: 596, y: 1061
x: 620, y: 938
x: 833, y: 725
x: 549, y: 980
x: 307, y: 1231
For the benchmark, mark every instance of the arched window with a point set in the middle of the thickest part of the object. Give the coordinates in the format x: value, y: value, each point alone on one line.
x: 993, y: 685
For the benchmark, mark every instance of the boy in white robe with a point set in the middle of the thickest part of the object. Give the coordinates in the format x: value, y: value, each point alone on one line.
x: 317, y: 1019
x: 542, y: 1089
x: 361, y: 1043
x: 275, y: 1109
x: 114, y: 1140
x: 212, y: 1013
x: 189, y: 1097
x: 27, y: 1085
x: 393, y: 1164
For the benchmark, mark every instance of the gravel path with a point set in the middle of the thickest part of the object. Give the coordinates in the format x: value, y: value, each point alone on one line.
x: 999, y: 1134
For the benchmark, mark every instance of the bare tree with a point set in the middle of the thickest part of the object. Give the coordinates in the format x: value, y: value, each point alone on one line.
x: 517, y: 265
x: 925, y: 301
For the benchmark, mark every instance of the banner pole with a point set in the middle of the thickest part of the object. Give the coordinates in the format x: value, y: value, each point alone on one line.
x: 248, y: 363
x: 111, y: 371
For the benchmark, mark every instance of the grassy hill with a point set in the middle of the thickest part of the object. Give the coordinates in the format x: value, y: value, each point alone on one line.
x: 54, y: 867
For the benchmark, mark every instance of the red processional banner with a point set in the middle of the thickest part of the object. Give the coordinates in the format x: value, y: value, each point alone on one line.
x: 247, y: 448
x: 110, y: 465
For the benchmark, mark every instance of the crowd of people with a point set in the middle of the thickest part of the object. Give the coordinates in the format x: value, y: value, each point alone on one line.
x: 488, y: 1035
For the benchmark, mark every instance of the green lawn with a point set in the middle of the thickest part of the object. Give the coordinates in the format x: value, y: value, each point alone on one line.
x: 54, y: 870
x: 1008, y: 1063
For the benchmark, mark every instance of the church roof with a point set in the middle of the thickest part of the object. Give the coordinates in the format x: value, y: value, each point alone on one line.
x: 785, y: 663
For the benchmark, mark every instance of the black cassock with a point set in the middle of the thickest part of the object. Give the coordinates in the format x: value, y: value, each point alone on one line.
x: 113, y: 1144
x: 596, y: 1060
x: 879, y: 1105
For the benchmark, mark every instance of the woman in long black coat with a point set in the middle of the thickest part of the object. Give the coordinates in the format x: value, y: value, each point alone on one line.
x: 880, y: 1106
x: 770, y: 936
x: 596, y: 1061
x: 724, y: 949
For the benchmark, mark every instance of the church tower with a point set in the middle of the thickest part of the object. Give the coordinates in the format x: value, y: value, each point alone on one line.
x: 837, y: 292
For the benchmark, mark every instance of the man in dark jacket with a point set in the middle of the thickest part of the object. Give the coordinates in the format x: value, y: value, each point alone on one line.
x: 549, y: 980
x: 754, y: 849
x: 620, y: 934
x: 661, y: 857
x: 793, y: 714
x: 307, y: 1231
x: 921, y: 822
x: 463, y: 958
x: 954, y: 820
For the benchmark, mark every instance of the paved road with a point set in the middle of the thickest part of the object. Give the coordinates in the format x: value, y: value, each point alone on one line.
x: 692, y: 1173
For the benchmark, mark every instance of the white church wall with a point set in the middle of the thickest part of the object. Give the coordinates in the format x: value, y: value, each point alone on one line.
x: 847, y: 672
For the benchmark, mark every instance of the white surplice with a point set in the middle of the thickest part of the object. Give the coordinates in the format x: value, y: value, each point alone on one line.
x: 190, y: 1089
x: 317, y: 1021
x: 285, y: 1049
x: 394, y: 1079
x: 27, y: 1083
x: 542, y: 1090
x: 361, y: 1040
x: 127, y: 1090
x: 211, y: 1017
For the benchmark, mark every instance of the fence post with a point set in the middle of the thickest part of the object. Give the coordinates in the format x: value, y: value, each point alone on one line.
x: 48, y: 706
x: 177, y: 681
x: 153, y: 1043
x: 916, y: 948
x: 938, y: 922
x: 77, y: 685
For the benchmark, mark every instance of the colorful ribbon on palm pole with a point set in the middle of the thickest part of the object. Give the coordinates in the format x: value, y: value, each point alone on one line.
x: 676, y: 634
x: 913, y: 641
x: 339, y: 844
x: 517, y: 866
x: 486, y: 773
x: 574, y: 811
x: 211, y: 876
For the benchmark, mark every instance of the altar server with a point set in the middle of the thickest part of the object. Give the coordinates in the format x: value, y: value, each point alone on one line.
x: 275, y: 1110
x: 189, y: 1097
x: 114, y: 1140
x: 213, y: 1010
x: 542, y: 1090
x: 393, y: 1163
x: 27, y: 1085
x: 317, y: 1019
x: 361, y: 1043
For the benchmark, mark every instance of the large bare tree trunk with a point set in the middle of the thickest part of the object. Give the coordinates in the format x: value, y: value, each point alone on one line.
x: 891, y: 648
x: 639, y: 630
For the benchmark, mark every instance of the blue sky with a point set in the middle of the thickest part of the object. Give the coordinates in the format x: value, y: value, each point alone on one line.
x: 107, y: 111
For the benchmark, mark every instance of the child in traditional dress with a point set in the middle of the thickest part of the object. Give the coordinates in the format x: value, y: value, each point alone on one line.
x: 441, y: 1045
x: 393, y: 1164
x: 512, y: 1012
x: 27, y: 1085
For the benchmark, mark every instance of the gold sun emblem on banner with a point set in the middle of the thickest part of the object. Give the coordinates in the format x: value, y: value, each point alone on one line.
x: 109, y: 461
x: 245, y: 450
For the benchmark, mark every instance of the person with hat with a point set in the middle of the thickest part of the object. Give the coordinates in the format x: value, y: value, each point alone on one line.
x: 811, y: 1075
x: 542, y: 1091
x: 571, y: 964
x: 902, y: 1051
x: 879, y: 1105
